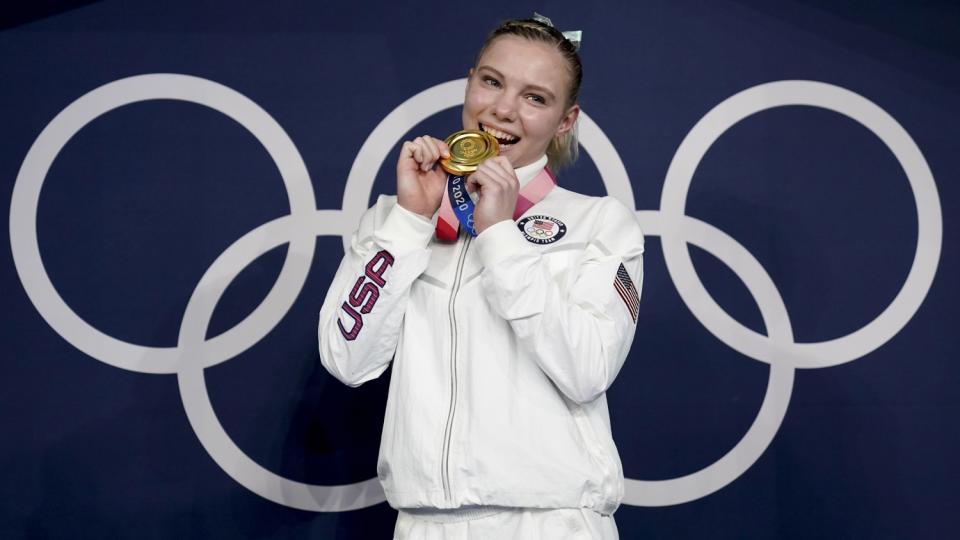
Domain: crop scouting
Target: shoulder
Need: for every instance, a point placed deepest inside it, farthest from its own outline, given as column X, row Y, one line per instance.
column 616, row 213
column 610, row 222
column 606, row 209
column 619, row 228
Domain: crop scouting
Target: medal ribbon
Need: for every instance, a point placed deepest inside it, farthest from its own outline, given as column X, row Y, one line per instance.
column 457, row 207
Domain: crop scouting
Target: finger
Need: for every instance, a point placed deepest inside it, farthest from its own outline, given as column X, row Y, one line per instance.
column 473, row 183
column 444, row 149
column 409, row 155
column 420, row 153
column 491, row 166
column 488, row 181
column 432, row 149
column 407, row 149
column 437, row 144
column 428, row 151
column 504, row 168
column 477, row 181
column 496, row 173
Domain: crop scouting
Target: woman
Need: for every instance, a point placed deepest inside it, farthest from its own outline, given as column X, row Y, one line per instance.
column 504, row 344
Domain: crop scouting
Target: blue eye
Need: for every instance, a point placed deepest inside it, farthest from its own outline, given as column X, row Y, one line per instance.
column 490, row 81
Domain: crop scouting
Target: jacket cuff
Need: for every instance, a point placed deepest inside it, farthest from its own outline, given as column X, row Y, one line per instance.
column 501, row 241
column 405, row 229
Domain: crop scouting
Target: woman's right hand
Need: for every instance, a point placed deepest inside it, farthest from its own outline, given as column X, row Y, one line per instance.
column 420, row 180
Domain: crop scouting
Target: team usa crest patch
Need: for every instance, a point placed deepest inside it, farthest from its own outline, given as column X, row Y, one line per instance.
column 628, row 291
column 542, row 229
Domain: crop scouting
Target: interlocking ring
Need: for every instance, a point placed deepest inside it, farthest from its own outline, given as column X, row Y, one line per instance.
column 194, row 353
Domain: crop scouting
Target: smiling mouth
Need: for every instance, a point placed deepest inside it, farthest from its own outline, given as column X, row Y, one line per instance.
column 506, row 140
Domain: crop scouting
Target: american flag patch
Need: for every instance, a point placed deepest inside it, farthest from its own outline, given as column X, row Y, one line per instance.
column 624, row 286
column 543, row 225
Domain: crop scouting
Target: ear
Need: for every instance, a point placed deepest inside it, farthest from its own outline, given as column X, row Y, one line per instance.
column 569, row 119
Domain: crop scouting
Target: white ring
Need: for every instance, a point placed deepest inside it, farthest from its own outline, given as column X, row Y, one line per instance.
column 929, row 230
column 26, row 197
column 194, row 352
column 193, row 389
column 779, row 385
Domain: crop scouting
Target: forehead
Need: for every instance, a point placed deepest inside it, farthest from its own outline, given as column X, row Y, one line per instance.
column 527, row 61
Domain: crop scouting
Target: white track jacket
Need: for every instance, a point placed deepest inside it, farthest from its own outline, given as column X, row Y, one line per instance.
column 502, row 345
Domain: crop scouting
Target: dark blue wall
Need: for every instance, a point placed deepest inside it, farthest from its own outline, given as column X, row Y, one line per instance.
column 143, row 199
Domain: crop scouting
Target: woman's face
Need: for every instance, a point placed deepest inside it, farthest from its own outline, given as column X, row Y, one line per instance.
column 518, row 93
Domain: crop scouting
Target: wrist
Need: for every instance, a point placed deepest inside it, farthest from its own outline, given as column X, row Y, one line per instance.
column 417, row 209
column 484, row 225
column 402, row 230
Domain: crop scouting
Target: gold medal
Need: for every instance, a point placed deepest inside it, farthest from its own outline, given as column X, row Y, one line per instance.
column 468, row 149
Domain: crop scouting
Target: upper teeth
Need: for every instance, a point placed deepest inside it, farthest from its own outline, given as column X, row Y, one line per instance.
column 500, row 135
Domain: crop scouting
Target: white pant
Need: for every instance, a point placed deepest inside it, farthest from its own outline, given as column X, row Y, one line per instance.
column 505, row 524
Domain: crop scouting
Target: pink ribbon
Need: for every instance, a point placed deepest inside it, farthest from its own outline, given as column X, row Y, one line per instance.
column 448, row 226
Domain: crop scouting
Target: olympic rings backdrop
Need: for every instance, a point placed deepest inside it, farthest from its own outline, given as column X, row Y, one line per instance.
column 181, row 181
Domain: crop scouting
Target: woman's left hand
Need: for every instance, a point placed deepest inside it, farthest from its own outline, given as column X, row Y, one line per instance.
column 498, row 186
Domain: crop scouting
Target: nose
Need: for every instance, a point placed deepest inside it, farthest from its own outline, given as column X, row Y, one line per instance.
column 505, row 107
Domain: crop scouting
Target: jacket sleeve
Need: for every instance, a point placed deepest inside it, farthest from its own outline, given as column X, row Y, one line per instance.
column 579, row 327
column 361, row 317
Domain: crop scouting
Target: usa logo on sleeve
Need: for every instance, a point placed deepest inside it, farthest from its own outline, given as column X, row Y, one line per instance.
column 628, row 292
column 365, row 293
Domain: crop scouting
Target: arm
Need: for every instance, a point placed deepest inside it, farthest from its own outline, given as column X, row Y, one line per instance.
column 361, row 317
column 580, row 333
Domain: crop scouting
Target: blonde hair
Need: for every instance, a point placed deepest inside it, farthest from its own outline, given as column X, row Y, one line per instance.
column 563, row 148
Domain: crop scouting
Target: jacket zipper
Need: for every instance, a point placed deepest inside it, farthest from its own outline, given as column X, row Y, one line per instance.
column 452, row 410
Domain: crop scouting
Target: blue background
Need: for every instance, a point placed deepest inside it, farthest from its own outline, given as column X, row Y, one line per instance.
column 141, row 201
